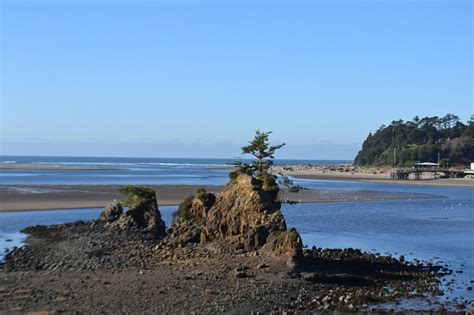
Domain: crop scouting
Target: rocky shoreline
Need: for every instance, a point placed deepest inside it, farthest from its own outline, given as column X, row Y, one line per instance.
column 230, row 254
column 71, row 267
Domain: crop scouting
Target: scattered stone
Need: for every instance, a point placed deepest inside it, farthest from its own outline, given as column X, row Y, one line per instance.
column 262, row 266
column 239, row 274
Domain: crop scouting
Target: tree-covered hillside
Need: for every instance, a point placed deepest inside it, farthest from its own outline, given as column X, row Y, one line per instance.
column 420, row 140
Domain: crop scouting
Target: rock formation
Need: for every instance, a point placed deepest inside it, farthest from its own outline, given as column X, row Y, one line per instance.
column 190, row 218
column 142, row 213
column 247, row 212
column 111, row 212
column 201, row 205
column 284, row 244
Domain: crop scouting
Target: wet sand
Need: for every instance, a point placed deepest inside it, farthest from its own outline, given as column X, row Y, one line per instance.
column 48, row 197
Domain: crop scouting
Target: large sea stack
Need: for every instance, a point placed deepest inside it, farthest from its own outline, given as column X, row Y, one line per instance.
column 247, row 212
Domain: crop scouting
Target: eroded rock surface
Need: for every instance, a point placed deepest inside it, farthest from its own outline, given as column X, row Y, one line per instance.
column 111, row 212
column 247, row 213
column 190, row 218
column 142, row 213
column 284, row 244
column 201, row 205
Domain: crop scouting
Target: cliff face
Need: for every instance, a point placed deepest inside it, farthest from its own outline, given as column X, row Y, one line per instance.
column 245, row 213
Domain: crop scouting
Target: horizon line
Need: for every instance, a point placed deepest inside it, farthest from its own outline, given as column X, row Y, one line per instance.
column 161, row 157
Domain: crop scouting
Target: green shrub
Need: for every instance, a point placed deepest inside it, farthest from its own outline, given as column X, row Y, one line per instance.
column 269, row 183
column 201, row 194
column 137, row 195
column 445, row 163
column 242, row 168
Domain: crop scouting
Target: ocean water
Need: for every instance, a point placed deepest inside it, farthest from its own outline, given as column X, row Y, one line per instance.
column 129, row 170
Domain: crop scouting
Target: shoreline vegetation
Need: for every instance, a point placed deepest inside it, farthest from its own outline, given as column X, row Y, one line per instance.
column 403, row 143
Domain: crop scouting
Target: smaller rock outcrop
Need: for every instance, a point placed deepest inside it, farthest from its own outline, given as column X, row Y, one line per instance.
column 285, row 244
column 201, row 205
column 189, row 220
column 143, row 208
column 111, row 212
column 142, row 213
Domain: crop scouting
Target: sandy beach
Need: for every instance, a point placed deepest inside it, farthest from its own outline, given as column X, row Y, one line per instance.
column 48, row 197
column 378, row 175
column 28, row 197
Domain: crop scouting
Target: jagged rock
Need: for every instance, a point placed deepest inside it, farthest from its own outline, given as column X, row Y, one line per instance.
column 256, row 237
column 111, row 212
column 185, row 231
column 189, row 221
column 284, row 244
column 201, row 205
column 245, row 213
column 142, row 213
column 143, row 209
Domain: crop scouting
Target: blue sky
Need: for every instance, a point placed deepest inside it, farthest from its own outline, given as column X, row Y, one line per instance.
column 196, row 78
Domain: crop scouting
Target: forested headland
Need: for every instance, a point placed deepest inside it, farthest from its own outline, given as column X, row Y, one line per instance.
column 403, row 143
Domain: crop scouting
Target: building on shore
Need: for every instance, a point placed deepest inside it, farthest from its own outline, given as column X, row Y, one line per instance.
column 469, row 171
column 426, row 165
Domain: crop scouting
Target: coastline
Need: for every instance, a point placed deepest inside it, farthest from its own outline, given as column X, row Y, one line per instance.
column 51, row 197
column 37, row 197
column 73, row 266
column 343, row 172
column 374, row 175
column 445, row 182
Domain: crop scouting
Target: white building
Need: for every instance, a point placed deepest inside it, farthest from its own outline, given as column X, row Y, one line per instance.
column 426, row 165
